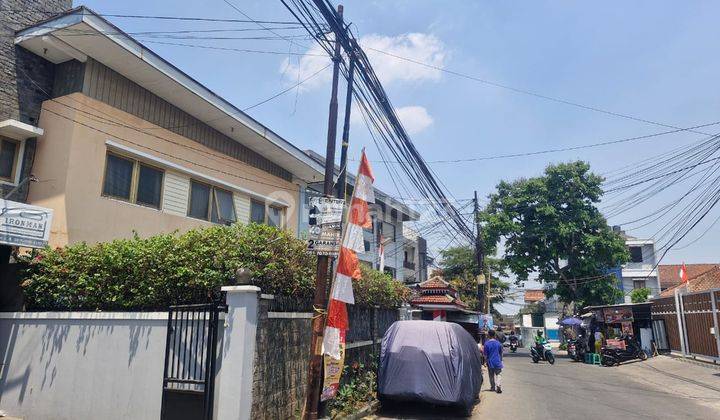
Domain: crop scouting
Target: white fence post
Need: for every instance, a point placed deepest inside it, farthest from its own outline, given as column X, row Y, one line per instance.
column 235, row 377
column 713, row 302
column 681, row 324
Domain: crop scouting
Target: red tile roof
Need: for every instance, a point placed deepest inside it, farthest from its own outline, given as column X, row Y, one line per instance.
column 706, row 281
column 431, row 299
column 534, row 295
column 669, row 275
column 436, row 282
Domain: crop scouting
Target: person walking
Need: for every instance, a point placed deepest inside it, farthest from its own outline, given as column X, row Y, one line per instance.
column 493, row 359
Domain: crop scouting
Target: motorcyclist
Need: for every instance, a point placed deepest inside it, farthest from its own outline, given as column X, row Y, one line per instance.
column 540, row 342
column 512, row 337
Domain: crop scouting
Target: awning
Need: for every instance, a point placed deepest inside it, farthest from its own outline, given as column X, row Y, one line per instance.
column 18, row 130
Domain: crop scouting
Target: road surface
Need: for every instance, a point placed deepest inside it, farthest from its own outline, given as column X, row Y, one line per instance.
column 660, row 388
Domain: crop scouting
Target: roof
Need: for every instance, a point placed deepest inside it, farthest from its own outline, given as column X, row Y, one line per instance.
column 80, row 33
column 435, row 282
column 381, row 196
column 706, row 281
column 438, row 300
column 534, row 295
column 669, row 275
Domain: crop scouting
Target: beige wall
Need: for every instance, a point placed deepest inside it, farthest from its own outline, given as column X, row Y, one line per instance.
column 70, row 162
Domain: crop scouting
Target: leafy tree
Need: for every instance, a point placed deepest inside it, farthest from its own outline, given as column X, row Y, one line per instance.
column 639, row 295
column 551, row 226
column 459, row 268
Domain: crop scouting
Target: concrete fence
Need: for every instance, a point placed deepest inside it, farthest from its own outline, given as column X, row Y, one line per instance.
column 109, row 365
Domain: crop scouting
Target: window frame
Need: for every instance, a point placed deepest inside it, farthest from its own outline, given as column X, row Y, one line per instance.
column 19, row 148
column 639, row 282
column 212, row 201
column 640, row 250
column 283, row 211
column 134, row 180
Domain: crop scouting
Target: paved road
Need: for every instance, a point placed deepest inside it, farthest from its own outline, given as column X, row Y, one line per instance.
column 661, row 388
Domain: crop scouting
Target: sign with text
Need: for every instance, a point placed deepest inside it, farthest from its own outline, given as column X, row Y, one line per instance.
column 485, row 322
column 333, row 370
column 325, row 220
column 616, row 315
column 24, row 225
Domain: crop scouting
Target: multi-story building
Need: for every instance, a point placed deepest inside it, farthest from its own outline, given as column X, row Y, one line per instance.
column 641, row 271
column 388, row 215
column 122, row 141
column 415, row 261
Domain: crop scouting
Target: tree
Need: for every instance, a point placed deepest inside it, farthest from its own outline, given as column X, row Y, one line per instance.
column 639, row 295
column 551, row 226
column 459, row 268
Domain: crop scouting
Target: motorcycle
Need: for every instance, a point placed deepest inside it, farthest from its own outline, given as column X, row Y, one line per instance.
column 513, row 345
column 577, row 349
column 544, row 354
column 612, row 356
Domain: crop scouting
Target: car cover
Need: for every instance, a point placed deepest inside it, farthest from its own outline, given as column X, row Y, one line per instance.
column 430, row 361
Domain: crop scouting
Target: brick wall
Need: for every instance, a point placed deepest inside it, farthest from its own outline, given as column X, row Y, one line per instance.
column 26, row 80
column 281, row 357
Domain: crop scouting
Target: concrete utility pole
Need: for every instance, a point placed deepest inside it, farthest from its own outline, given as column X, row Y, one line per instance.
column 312, row 399
column 479, row 256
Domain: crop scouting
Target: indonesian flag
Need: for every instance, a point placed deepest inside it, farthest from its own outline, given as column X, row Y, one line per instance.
column 381, row 251
column 683, row 274
column 348, row 265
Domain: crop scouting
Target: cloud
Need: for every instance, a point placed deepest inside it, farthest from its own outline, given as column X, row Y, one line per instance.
column 414, row 118
column 425, row 48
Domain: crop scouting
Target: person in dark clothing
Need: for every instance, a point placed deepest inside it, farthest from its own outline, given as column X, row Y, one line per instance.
column 493, row 356
column 499, row 336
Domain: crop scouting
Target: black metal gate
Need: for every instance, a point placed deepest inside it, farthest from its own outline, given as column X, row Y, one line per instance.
column 190, row 356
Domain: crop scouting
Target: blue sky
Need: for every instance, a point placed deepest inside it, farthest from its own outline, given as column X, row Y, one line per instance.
column 656, row 60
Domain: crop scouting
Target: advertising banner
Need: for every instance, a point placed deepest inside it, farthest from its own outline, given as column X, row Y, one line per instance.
column 333, row 371
column 325, row 220
column 485, row 322
column 24, row 225
column 617, row 315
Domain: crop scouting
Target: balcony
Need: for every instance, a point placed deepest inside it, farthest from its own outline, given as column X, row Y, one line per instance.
column 409, row 265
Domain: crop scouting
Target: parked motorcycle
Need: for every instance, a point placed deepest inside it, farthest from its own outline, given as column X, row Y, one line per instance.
column 544, row 354
column 612, row 356
column 577, row 349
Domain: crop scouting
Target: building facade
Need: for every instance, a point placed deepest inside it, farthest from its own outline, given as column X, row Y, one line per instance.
column 641, row 271
column 415, row 262
column 126, row 143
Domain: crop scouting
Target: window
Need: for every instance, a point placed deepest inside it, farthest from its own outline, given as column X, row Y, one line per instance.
column 133, row 181
column 276, row 216
column 388, row 231
column 257, row 212
column 636, row 254
column 211, row 203
column 8, row 159
column 638, row 284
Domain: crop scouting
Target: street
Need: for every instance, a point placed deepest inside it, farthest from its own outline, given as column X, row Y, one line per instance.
column 660, row 388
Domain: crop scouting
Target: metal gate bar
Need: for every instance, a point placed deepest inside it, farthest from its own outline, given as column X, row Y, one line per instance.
column 190, row 356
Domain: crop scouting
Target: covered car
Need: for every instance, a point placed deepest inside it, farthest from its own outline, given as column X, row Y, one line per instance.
column 429, row 361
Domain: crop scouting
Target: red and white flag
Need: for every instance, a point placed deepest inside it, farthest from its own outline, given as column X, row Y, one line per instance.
column 683, row 274
column 348, row 265
column 381, row 252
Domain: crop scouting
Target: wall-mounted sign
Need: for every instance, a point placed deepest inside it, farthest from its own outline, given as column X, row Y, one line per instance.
column 616, row 315
column 325, row 220
column 24, row 225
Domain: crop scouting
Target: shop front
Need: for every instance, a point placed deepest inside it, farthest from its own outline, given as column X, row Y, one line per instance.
column 616, row 321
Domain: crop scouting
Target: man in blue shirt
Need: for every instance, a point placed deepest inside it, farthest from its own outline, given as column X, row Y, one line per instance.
column 493, row 355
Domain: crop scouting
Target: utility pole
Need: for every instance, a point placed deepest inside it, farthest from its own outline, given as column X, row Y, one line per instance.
column 479, row 256
column 342, row 178
column 312, row 397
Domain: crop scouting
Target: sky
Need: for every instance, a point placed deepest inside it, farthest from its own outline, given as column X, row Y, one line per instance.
column 653, row 60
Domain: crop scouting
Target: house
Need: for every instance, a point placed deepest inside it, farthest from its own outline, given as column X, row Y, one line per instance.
column 708, row 280
column 415, row 261
column 388, row 216
column 669, row 274
column 122, row 142
column 640, row 272
column 540, row 311
column 437, row 299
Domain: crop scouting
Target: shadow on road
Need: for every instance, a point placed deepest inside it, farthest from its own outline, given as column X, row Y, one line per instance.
column 414, row 410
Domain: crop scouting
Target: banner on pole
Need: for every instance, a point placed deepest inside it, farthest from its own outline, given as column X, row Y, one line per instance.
column 333, row 371
column 324, row 234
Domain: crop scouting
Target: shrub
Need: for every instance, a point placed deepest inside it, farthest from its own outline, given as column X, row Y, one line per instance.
column 376, row 288
column 360, row 390
column 639, row 295
column 152, row 273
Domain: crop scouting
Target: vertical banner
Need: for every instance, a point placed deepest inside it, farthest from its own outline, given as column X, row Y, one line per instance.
column 333, row 371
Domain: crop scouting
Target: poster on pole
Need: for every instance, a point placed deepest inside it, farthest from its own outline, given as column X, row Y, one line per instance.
column 24, row 225
column 333, row 371
column 325, row 226
column 485, row 323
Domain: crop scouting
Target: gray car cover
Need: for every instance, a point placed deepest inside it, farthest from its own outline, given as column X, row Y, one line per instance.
column 430, row 361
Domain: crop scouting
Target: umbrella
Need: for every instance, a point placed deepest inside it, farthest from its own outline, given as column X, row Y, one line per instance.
column 570, row 321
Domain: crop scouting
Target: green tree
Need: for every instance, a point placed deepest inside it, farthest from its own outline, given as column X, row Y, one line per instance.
column 551, row 226
column 459, row 268
column 639, row 295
